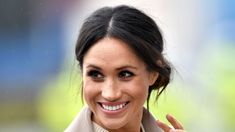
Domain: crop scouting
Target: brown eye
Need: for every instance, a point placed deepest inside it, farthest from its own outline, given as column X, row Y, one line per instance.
column 96, row 75
column 125, row 74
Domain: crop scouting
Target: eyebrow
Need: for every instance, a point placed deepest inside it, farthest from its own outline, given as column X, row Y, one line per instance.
column 119, row 68
column 127, row 66
column 93, row 66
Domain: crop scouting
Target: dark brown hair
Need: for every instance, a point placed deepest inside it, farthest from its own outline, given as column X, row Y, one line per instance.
column 137, row 30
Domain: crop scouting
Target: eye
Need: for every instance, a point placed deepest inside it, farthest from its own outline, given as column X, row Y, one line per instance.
column 96, row 75
column 125, row 74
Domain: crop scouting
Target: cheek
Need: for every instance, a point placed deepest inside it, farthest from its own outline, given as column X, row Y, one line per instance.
column 89, row 91
column 138, row 88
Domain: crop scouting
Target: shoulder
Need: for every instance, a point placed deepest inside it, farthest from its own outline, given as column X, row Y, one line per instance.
column 81, row 122
column 149, row 123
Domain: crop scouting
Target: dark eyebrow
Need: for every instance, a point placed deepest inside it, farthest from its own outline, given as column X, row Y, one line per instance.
column 118, row 69
column 127, row 66
column 94, row 66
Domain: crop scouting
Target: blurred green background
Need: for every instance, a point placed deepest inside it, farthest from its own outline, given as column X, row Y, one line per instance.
column 40, row 80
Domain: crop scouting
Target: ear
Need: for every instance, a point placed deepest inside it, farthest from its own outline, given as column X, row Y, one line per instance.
column 153, row 77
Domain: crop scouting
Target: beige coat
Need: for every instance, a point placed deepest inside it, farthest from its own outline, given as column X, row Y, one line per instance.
column 83, row 123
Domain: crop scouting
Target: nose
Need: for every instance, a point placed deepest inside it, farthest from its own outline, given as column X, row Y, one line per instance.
column 111, row 91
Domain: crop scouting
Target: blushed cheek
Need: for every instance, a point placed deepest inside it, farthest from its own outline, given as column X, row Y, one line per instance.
column 143, row 95
column 90, row 92
column 87, row 92
column 142, row 90
column 138, row 90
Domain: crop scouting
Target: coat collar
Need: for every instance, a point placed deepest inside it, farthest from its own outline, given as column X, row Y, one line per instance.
column 82, row 122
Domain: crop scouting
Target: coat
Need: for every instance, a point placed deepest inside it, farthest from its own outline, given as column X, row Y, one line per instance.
column 83, row 123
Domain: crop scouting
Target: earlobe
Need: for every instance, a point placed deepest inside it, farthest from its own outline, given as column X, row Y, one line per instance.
column 153, row 77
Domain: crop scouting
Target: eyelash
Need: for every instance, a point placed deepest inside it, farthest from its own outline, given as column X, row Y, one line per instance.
column 98, row 76
column 125, row 74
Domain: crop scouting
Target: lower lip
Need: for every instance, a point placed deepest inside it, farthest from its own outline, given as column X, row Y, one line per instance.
column 114, row 112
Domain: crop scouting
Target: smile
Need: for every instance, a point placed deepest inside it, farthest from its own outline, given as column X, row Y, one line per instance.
column 110, row 107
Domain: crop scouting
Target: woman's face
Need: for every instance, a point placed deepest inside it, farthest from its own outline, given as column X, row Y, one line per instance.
column 115, row 83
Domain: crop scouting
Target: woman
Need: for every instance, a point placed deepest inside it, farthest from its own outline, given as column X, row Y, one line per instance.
column 119, row 51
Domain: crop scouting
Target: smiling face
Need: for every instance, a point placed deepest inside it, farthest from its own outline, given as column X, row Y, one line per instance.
column 115, row 84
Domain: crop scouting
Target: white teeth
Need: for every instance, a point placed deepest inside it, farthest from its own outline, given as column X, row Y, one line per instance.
column 112, row 108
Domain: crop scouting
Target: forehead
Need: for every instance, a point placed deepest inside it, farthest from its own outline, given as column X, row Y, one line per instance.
column 112, row 52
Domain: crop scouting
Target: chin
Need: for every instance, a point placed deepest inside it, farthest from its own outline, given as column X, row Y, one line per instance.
column 113, row 124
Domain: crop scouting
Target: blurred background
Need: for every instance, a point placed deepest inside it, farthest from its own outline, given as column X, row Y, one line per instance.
column 40, row 81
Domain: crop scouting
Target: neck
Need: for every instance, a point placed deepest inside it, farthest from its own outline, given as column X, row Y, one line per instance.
column 133, row 126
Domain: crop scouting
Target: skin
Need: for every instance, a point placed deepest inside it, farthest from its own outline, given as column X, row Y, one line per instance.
column 176, row 125
column 113, row 75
